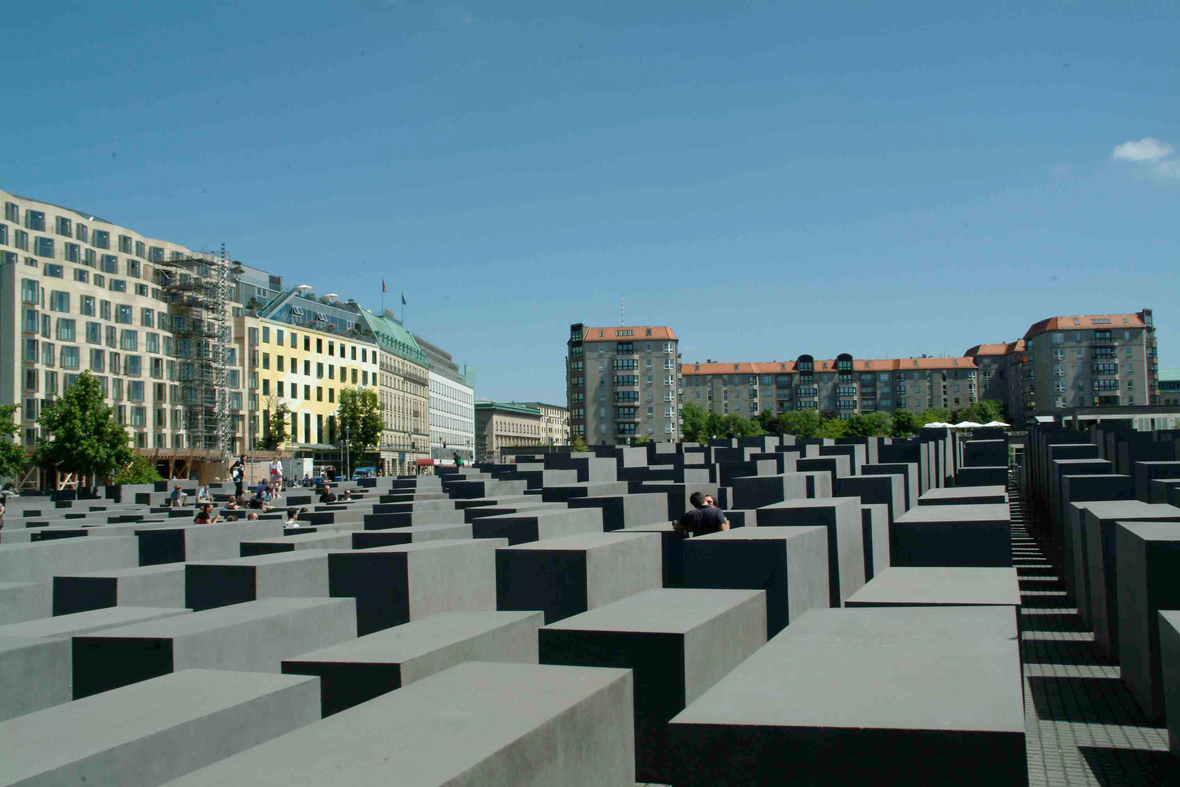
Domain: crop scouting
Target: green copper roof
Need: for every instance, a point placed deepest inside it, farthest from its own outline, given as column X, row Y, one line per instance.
column 393, row 336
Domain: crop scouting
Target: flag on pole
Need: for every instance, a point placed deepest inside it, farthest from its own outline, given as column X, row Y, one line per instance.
column 403, row 299
column 383, row 285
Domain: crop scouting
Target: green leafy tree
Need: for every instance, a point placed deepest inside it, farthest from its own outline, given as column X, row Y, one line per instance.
column 982, row 412
column 934, row 414
column 276, row 432
column 13, row 455
column 874, row 424
column 739, row 426
column 641, row 440
column 140, row 471
column 801, row 423
column 904, row 424
column 768, row 421
column 80, row 435
column 695, row 422
column 578, row 444
column 359, row 420
column 832, row 427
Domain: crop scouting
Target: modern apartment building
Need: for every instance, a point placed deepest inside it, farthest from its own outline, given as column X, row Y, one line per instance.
column 499, row 425
column 1084, row 360
column 1169, row 386
column 150, row 319
column 452, row 404
column 840, row 387
column 555, row 423
column 623, row 383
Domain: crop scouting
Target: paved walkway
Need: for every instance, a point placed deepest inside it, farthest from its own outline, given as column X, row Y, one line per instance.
column 1082, row 725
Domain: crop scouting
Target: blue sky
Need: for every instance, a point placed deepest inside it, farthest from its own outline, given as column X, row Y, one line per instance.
column 767, row 178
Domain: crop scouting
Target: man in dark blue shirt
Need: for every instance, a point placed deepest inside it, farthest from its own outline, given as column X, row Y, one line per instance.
column 702, row 519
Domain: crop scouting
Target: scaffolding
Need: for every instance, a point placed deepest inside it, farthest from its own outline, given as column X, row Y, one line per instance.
column 199, row 288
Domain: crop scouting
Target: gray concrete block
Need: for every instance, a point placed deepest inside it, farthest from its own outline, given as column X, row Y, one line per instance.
column 35, row 674
column 563, row 494
column 369, row 539
column 1145, row 472
column 40, row 562
column 331, row 539
column 627, row 510
column 965, row 535
column 887, row 489
column 147, row 586
column 842, row 518
column 678, row 495
column 909, row 452
column 819, row 484
column 678, row 643
column 525, row 506
column 671, row 551
column 475, row 724
column 866, row 696
column 396, row 584
column 985, row 453
column 1084, row 489
column 202, row 542
column 252, row 637
column 539, row 525
column 1169, row 633
column 415, row 519
column 488, row 488
column 151, row 732
column 965, row 496
column 1164, row 490
column 874, row 518
column 789, row 563
column 857, row 455
column 24, row 601
column 218, row 583
column 940, row 587
column 758, row 491
column 909, row 478
column 86, row 622
column 1149, row 565
column 1102, row 562
column 358, row 670
column 982, row 476
column 731, row 470
column 835, row 466
column 566, row 576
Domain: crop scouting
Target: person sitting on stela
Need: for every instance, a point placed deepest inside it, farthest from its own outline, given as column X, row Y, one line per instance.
column 702, row 519
column 328, row 496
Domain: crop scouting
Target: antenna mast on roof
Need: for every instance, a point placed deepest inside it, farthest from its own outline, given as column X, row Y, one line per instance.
column 622, row 312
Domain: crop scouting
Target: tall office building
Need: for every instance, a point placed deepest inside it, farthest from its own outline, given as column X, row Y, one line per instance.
column 1083, row 360
column 152, row 320
column 623, row 383
column 452, row 404
column 839, row 387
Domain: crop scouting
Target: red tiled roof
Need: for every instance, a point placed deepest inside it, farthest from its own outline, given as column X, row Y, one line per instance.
column 1075, row 321
column 639, row 333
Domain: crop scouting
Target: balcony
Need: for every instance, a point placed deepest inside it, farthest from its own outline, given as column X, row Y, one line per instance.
column 415, row 377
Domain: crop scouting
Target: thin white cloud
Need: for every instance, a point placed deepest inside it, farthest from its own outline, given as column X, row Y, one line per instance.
column 1146, row 149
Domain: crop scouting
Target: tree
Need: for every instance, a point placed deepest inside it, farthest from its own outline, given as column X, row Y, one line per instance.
column 904, row 424
column 140, row 471
column 740, row 426
column 801, row 423
column 641, row 440
column 982, row 412
column 578, row 444
column 833, row 428
column 934, row 415
column 695, row 422
column 874, row 424
column 80, row 435
column 275, row 433
column 768, row 421
column 13, row 455
column 359, row 419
